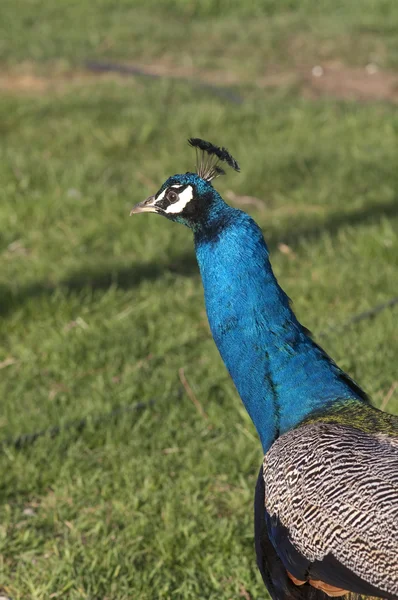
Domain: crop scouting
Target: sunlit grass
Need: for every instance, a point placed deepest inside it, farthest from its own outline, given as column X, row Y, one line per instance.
column 101, row 311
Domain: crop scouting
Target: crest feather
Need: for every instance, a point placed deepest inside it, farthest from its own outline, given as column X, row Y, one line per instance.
column 207, row 158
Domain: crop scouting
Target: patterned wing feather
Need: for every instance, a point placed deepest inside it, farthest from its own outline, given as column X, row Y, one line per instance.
column 272, row 569
column 331, row 500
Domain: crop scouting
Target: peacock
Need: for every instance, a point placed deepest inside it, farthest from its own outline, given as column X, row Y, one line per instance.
column 326, row 498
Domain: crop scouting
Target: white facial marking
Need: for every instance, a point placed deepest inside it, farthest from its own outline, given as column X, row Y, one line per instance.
column 176, row 187
column 185, row 197
column 161, row 196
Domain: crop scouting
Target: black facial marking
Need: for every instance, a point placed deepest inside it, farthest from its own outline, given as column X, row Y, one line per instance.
column 169, row 198
column 195, row 211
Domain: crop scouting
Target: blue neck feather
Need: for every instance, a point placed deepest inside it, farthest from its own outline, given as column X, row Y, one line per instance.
column 282, row 376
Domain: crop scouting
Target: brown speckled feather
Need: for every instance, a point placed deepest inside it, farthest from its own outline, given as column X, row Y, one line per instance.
column 334, row 489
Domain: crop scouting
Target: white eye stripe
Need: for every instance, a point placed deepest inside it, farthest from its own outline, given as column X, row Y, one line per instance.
column 184, row 197
column 173, row 187
column 161, row 196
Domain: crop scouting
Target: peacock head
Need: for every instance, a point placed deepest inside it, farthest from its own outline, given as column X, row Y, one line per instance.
column 190, row 198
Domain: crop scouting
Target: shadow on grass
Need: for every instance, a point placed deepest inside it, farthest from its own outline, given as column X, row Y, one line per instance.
column 96, row 279
column 185, row 264
column 334, row 223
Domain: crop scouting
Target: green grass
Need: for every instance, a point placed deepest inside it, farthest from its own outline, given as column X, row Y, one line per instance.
column 101, row 311
column 246, row 37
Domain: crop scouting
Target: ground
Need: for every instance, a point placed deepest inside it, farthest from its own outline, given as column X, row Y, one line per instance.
column 100, row 312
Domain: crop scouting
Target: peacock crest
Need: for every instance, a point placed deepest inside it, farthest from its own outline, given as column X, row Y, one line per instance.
column 208, row 158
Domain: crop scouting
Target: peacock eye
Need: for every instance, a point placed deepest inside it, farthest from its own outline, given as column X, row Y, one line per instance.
column 172, row 196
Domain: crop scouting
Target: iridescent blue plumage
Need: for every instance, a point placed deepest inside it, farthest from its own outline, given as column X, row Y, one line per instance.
column 281, row 375
column 324, row 510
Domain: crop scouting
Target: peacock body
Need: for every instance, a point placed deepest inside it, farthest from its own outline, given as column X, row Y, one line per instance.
column 326, row 501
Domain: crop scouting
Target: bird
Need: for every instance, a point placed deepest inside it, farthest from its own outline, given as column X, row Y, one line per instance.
column 326, row 498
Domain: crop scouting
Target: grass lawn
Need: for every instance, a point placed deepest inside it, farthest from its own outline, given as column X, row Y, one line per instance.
column 99, row 311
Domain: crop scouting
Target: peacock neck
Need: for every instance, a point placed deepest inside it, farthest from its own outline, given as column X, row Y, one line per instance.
column 282, row 376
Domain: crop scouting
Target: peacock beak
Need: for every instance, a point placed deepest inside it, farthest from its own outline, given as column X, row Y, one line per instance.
column 147, row 205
